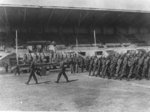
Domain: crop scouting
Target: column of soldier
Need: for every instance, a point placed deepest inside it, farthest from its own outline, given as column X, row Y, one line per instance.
column 125, row 66
column 116, row 66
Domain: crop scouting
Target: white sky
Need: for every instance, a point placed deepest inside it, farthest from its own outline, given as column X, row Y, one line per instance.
column 142, row 5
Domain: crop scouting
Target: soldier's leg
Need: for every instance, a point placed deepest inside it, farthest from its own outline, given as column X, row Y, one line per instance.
column 148, row 75
column 30, row 76
column 122, row 73
column 90, row 70
column 58, row 78
column 94, row 69
column 18, row 72
column 71, row 67
column 66, row 77
column 117, row 72
column 130, row 73
column 74, row 68
column 104, row 72
column 138, row 73
column 82, row 68
column 98, row 72
column 35, row 79
column 144, row 72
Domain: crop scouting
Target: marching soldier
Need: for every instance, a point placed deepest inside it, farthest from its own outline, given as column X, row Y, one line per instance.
column 99, row 67
column 113, row 64
column 91, row 65
column 124, row 67
column 131, row 66
column 106, row 69
column 139, row 67
column 62, row 72
column 32, row 73
column 95, row 65
column 103, row 66
column 145, row 67
column 118, row 67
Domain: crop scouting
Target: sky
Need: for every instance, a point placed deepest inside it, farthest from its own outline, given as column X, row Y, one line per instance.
column 130, row 5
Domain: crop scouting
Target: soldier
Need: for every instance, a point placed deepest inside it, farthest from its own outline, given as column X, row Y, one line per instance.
column 99, row 67
column 62, row 72
column 87, row 63
column 131, row 62
column 103, row 66
column 77, row 64
column 145, row 67
column 82, row 64
column 148, row 75
column 72, row 65
column 95, row 65
column 124, row 67
column 91, row 65
column 106, row 68
column 139, row 67
column 32, row 73
column 113, row 65
column 118, row 66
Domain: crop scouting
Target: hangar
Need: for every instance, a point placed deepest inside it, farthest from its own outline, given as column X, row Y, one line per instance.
column 64, row 21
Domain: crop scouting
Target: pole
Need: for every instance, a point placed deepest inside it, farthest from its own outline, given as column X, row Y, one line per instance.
column 17, row 47
column 94, row 38
column 77, row 43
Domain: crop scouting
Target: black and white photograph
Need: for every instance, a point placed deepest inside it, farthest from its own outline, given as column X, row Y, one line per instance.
column 75, row 55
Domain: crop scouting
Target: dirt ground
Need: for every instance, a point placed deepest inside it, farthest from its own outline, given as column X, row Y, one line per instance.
column 83, row 93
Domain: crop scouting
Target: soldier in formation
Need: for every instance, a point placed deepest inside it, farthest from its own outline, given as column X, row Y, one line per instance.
column 121, row 66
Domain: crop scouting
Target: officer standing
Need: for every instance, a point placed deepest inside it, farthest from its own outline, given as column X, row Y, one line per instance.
column 62, row 72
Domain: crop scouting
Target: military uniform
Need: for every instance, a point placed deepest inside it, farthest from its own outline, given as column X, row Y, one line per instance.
column 91, row 66
column 32, row 73
column 103, row 67
column 99, row 67
column 62, row 72
column 145, row 67
column 72, row 65
column 118, row 67
column 131, row 66
column 139, row 67
column 124, row 68
column 95, row 65
column 113, row 64
column 106, row 68
column 82, row 64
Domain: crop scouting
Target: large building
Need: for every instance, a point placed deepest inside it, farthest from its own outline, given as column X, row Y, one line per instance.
column 64, row 21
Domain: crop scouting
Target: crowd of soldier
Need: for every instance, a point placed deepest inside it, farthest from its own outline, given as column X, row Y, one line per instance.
column 120, row 66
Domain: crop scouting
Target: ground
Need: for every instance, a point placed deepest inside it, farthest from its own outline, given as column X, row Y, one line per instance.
column 82, row 94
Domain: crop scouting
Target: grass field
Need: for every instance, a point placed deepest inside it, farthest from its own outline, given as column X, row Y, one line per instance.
column 83, row 94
